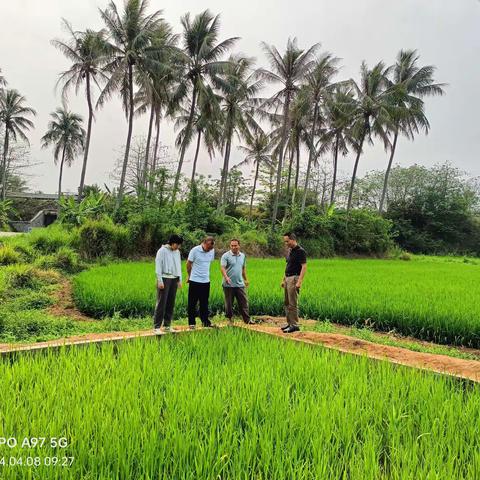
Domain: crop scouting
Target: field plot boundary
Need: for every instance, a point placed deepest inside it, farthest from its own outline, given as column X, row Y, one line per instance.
column 442, row 364
column 6, row 348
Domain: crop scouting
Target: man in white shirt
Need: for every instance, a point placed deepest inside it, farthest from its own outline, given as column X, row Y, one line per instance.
column 168, row 269
column 198, row 269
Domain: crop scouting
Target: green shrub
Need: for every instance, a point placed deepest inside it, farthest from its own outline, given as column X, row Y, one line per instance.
column 22, row 276
column 67, row 260
column 99, row 238
column 45, row 262
column 26, row 251
column 321, row 247
column 32, row 301
column 8, row 255
column 50, row 240
column 361, row 232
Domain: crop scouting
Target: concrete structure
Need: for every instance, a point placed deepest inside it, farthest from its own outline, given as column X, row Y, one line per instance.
column 43, row 218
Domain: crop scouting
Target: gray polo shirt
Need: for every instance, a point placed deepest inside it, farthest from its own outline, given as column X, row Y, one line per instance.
column 234, row 265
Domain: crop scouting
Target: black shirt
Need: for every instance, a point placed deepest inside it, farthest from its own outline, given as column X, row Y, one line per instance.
column 295, row 259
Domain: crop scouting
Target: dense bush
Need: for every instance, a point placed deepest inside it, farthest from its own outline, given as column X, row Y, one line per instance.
column 358, row 232
column 99, row 238
column 8, row 255
column 22, row 276
column 51, row 239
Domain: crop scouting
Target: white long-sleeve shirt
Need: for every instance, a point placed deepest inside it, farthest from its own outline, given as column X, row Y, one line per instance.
column 168, row 263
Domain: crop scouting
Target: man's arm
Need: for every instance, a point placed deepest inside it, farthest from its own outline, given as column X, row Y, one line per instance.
column 244, row 275
column 158, row 269
column 225, row 274
column 189, row 269
column 302, row 275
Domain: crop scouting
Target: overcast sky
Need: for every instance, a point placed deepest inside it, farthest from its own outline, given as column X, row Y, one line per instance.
column 445, row 32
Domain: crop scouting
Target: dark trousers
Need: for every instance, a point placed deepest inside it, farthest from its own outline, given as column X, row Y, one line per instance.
column 198, row 293
column 232, row 293
column 165, row 303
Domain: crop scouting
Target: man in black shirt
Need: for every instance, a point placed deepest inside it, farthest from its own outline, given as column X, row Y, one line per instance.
column 292, row 281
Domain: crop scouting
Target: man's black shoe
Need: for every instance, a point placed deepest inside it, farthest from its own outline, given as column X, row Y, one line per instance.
column 250, row 322
column 291, row 329
column 285, row 327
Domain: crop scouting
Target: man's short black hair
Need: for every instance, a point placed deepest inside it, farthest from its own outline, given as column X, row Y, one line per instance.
column 175, row 239
column 290, row 235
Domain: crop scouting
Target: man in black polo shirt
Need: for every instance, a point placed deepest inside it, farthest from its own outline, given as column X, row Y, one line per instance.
column 292, row 281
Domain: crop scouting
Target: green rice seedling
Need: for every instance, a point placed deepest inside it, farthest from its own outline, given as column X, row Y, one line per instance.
column 431, row 299
column 232, row 405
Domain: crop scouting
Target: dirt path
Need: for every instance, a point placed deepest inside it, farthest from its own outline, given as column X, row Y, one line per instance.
column 468, row 369
column 64, row 305
column 82, row 339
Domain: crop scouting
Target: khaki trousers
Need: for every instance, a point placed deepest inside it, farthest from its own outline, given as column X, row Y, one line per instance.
column 291, row 300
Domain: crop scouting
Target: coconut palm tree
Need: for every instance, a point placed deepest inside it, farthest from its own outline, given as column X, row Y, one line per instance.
column 257, row 151
column 132, row 34
column 238, row 87
column 372, row 115
column 409, row 85
column 318, row 82
column 14, row 118
column 202, row 55
column 338, row 111
column 88, row 53
column 207, row 123
column 3, row 82
column 289, row 70
column 154, row 93
column 66, row 134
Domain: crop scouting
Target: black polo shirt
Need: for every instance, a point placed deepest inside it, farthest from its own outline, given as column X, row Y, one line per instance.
column 295, row 259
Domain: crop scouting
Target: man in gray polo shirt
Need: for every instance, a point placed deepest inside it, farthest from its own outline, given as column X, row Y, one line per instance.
column 234, row 270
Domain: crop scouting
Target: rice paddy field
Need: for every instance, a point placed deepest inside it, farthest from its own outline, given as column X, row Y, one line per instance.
column 429, row 298
column 232, row 404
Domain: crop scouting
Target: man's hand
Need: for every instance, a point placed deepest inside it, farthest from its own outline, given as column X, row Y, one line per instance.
column 160, row 285
column 247, row 283
column 282, row 284
column 227, row 279
column 180, row 284
column 298, row 285
column 187, row 280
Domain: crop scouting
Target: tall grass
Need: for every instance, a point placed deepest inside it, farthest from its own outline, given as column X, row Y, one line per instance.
column 429, row 299
column 236, row 405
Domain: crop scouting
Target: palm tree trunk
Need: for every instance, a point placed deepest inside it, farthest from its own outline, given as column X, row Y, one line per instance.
column 387, row 173
column 254, row 187
column 87, row 140
column 4, row 164
column 335, row 168
column 199, row 138
column 129, row 138
column 354, row 175
column 155, row 152
column 59, row 196
column 224, row 177
column 310, row 157
column 280, row 158
column 290, row 164
column 297, row 165
column 147, row 151
column 184, row 144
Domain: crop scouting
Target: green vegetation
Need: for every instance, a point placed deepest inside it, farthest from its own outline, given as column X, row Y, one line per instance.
column 429, row 299
column 336, row 415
